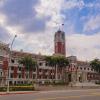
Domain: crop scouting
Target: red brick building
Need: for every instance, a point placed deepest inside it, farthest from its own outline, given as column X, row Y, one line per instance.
column 77, row 71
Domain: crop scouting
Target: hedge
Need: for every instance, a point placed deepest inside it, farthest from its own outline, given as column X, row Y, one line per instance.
column 17, row 88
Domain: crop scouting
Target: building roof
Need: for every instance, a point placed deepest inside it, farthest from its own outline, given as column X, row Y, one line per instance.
column 83, row 63
column 20, row 54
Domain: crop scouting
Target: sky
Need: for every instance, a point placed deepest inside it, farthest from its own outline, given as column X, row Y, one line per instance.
column 36, row 21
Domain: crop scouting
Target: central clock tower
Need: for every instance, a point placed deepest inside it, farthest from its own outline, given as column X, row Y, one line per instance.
column 59, row 43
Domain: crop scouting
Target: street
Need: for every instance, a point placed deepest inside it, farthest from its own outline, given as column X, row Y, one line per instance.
column 89, row 94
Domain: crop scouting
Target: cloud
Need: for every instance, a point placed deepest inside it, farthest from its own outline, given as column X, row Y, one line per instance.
column 69, row 4
column 51, row 9
column 42, row 43
column 36, row 21
column 21, row 13
column 4, row 36
column 83, row 46
column 93, row 23
column 1, row 2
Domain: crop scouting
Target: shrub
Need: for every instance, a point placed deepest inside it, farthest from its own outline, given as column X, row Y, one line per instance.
column 3, row 89
column 59, row 83
column 17, row 88
column 21, row 88
column 97, row 82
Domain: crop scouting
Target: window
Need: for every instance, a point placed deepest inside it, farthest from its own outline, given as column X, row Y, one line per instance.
column 12, row 68
column 91, row 69
column 34, row 69
column 40, row 64
column 26, row 75
column 10, row 82
column 46, row 64
column 20, row 68
column 12, row 60
column 84, row 68
column 14, row 82
column 1, row 74
column 80, row 68
column 11, row 75
column 45, row 77
column 46, row 70
column 21, row 82
column 19, row 75
column 40, row 70
column 34, row 76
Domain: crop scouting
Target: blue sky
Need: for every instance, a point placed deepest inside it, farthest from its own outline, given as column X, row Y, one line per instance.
column 35, row 22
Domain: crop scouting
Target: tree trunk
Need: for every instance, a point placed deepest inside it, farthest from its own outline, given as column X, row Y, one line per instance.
column 28, row 77
column 36, row 74
column 52, row 74
column 56, row 68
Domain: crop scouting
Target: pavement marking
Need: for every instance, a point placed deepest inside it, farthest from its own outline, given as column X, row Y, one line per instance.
column 67, row 97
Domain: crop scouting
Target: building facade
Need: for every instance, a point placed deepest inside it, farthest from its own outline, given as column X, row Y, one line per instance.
column 77, row 71
column 4, row 58
column 81, row 71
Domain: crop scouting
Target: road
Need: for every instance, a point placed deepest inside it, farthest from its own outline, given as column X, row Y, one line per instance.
column 90, row 94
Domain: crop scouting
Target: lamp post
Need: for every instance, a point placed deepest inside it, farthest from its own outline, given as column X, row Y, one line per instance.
column 9, row 63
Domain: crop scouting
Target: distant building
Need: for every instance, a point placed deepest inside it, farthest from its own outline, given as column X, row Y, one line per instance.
column 59, row 43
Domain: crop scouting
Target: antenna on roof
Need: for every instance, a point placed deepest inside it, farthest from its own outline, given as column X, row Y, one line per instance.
column 60, row 26
column 58, row 22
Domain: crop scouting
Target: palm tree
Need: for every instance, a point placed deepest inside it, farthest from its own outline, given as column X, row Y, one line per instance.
column 29, row 64
column 57, row 62
column 49, row 60
column 62, row 63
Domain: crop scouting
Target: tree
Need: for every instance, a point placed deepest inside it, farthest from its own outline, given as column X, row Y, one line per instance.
column 95, row 64
column 57, row 62
column 50, row 61
column 29, row 64
column 62, row 63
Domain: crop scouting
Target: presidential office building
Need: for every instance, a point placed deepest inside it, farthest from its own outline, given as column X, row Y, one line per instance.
column 77, row 71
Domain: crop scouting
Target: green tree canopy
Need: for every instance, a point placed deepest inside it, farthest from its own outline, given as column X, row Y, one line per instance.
column 28, row 62
column 59, row 61
column 95, row 65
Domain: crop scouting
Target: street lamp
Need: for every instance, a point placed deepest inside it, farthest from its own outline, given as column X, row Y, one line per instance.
column 9, row 62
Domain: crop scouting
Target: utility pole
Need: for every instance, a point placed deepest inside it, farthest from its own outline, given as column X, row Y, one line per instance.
column 9, row 63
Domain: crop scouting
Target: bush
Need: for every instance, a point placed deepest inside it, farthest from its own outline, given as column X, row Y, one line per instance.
column 3, row 89
column 21, row 88
column 17, row 88
column 23, row 85
column 47, row 83
column 97, row 82
column 59, row 83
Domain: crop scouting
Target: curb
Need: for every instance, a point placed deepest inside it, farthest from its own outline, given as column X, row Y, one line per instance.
column 12, row 93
